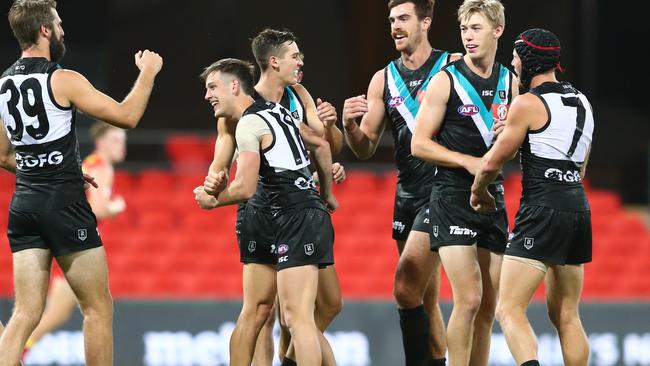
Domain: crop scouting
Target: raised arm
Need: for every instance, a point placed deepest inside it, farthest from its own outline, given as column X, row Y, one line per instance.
column 224, row 151
column 71, row 88
column 427, row 124
column 363, row 138
column 322, row 119
column 7, row 153
column 252, row 134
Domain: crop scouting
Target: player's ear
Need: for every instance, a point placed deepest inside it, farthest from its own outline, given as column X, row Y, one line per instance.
column 273, row 62
column 45, row 31
column 426, row 23
column 235, row 87
column 498, row 31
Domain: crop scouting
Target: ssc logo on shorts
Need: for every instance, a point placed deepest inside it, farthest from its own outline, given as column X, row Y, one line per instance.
column 529, row 242
column 283, row 248
column 252, row 245
column 82, row 234
column 309, row 248
column 435, row 231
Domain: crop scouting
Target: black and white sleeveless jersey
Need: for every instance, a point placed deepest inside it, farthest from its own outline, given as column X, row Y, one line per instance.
column 42, row 132
column 552, row 156
column 474, row 104
column 291, row 101
column 284, row 171
column 403, row 92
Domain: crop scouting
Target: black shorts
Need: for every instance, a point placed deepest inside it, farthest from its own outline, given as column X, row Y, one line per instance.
column 305, row 237
column 454, row 222
column 255, row 235
column 63, row 231
column 551, row 236
column 410, row 214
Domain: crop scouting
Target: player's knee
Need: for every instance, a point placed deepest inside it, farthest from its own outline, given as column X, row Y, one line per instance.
column 264, row 312
column 468, row 304
column 331, row 308
column 29, row 316
column 561, row 316
column 101, row 306
column 487, row 310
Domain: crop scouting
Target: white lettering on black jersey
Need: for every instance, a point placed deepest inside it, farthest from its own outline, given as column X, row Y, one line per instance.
column 552, row 156
column 284, row 170
column 42, row 132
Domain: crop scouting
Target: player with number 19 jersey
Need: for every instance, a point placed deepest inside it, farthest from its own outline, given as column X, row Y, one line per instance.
column 49, row 208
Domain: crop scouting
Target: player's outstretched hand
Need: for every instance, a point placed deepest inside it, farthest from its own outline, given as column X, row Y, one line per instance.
column 203, row 199
column 89, row 181
column 326, row 113
column 148, row 60
column 215, row 183
column 338, row 173
column 482, row 201
column 353, row 109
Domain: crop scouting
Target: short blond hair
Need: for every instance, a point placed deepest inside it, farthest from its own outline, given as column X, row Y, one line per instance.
column 492, row 10
column 99, row 129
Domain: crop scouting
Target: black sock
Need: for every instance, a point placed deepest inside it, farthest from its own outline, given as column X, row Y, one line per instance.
column 288, row 362
column 437, row 362
column 531, row 363
column 415, row 335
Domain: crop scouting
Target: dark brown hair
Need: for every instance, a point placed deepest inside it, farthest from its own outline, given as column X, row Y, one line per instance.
column 423, row 8
column 241, row 70
column 26, row 18
column 269, row 43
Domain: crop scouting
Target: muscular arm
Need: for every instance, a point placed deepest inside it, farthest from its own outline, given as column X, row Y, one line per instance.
column 224, row 146
column 250, row 140
column 524, row 109
column 71, row 88
column 7, row 153
column 330, row 132
column 427, row 124
column 363, row 138
column 320, row 151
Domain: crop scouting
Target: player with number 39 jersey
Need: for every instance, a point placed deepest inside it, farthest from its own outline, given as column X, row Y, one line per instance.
column 48, row 174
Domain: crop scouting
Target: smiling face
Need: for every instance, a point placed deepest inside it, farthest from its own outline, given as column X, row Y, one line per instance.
column 288, row 63
column 479, row 36
column 218, row 92
column 406, row 29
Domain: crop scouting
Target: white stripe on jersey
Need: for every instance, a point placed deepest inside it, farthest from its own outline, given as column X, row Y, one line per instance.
column 401, row 108
column 486, row 133
column 555, row 141
column 59, row 120
column 280, row 156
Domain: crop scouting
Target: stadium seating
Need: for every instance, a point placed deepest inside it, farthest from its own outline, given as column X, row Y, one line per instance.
column 165, row 246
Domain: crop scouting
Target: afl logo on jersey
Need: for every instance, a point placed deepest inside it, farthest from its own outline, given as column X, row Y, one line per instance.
column 468, row 110
column 395, row 101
